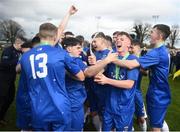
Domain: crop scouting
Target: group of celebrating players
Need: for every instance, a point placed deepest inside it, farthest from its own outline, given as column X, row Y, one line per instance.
column 58, row 75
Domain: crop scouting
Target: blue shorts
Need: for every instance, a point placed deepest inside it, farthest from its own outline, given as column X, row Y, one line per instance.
column 156, row 116
column 77, row 120
column 23, row 121
column 92, row 99
column 121, row 122
column 100, row 93
column 52, row 126
column 58, row 123
column 139, row 104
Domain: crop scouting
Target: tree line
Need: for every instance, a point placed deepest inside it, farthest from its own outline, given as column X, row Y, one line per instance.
column 10, row 29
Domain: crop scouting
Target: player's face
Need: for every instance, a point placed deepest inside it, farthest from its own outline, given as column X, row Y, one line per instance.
column 155, row 36
column 115, row 38
column 135, row 49
column 97, row 43
column 75, row 50
column 123, row 43
column 18, row 43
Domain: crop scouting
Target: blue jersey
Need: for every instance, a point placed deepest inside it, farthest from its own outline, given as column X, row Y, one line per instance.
column 23, row 107
column 76, row 89
column 59, row 46
column 120, row 100
column 44, row 69
column 84, row 54
column 114, row 49
column 138, row 85
column 157, row 60
column 100, row 90
column 101, row 54
column 89, row 81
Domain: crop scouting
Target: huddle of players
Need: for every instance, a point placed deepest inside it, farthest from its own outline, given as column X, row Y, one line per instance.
column 52, row 87
column 118, row 98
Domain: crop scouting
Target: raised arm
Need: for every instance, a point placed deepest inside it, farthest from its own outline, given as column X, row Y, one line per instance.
column 64, row 22
column 130, row 64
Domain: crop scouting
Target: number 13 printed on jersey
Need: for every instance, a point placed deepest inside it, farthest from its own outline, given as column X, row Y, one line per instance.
column 42, row 65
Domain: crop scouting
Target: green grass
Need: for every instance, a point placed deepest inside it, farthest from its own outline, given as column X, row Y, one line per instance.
column 173, row 113
column 172, row 116
column 11, row 116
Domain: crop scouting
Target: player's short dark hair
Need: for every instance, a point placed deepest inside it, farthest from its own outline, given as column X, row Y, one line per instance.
column 99, row 35
column 116, row 33
column 108, row 38
column 136, row 42
column 68, row 33
column 27, row 44
column 164, row 29
column 68, row 42
column 80, row 37
column 47, row 30
column 36, row 39
column 126, row 34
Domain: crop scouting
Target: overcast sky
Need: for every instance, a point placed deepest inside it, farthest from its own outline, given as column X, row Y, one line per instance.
column 110, row 15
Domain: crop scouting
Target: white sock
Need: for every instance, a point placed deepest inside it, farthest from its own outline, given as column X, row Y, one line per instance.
column 86, row 114
column 97, row 123
column 145, row 114
column 143, row 126
column 133, row 129
column 165, row 127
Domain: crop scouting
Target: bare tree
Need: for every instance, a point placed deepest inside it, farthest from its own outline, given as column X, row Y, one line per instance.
column 174, row 35
column 141, row 30
column 10, row 30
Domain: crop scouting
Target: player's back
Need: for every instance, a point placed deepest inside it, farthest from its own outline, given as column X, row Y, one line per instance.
column 45, row 73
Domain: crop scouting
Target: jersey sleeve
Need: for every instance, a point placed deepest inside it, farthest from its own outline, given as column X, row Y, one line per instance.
column 150, row 59
column 81, row 64
column 133, row 74
column 71, row 65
